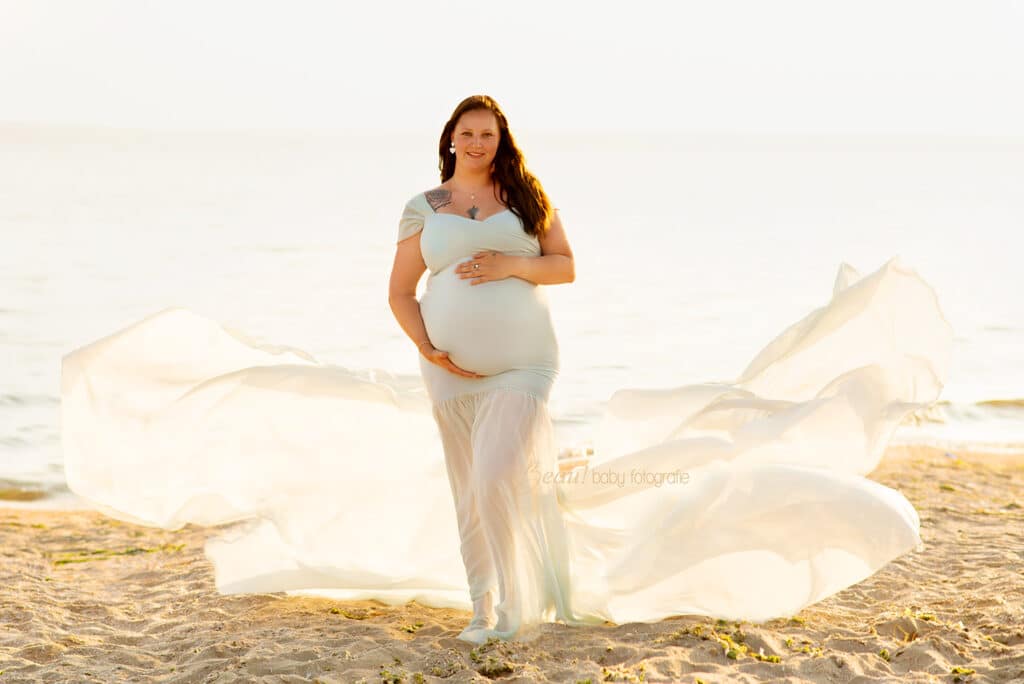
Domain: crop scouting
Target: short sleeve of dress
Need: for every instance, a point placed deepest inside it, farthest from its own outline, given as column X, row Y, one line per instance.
column 411, row 221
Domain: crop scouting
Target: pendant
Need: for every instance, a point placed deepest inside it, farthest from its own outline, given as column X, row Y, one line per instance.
column 472, row 211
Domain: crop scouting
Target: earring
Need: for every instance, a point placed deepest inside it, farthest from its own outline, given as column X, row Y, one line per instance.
column 452, row 148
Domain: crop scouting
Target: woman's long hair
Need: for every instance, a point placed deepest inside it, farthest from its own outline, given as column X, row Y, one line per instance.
column 521, row 192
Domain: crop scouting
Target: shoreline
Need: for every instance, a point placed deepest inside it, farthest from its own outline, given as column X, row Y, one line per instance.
column 91, row 598
column 32, row 499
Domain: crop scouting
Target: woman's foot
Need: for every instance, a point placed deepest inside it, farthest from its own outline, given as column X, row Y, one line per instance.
column 476, row 635
column 484, row 619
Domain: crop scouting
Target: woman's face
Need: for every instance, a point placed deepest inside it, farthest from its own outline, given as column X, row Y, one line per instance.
column 476, row 139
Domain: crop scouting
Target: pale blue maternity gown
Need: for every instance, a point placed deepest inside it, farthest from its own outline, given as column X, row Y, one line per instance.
column 496, row 430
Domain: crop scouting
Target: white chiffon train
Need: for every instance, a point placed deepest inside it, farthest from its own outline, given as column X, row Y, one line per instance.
column 741, row 500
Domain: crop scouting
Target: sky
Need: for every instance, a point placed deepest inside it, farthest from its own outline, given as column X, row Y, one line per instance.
column 814, row 66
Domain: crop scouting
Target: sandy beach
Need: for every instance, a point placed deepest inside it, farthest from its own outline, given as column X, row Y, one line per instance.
column 87, row 598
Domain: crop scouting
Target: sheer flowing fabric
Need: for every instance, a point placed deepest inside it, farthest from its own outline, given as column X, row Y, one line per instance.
column 740, row 500
column 498, row 444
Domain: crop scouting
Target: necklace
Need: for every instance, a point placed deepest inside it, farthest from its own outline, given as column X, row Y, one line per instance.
column 472, row 211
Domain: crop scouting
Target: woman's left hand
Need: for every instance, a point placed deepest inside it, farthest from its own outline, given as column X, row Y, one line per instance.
column 492, row 266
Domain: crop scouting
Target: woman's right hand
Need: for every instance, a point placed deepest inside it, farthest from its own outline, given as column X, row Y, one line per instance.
column 440, row 358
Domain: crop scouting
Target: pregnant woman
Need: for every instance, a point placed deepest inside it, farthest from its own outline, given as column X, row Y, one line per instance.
column 743, row 499
column 489, row 355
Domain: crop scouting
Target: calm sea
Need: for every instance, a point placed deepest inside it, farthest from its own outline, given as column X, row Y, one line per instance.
column 692, row 252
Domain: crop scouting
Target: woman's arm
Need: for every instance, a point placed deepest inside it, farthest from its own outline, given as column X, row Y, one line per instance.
column 555, row 265
column 405, row 275
column 406, row 272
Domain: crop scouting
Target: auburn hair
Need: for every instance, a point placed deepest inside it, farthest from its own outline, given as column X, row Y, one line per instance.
column 521, row 192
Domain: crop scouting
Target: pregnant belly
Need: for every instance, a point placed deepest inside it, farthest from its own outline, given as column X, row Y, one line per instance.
column 491, row 327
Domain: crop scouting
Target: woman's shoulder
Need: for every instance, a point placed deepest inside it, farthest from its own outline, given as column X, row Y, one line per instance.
column 413, row 215
column 422, row 202
column 432, row 198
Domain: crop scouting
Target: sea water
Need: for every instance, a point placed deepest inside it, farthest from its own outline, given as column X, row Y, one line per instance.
column 692, row 250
